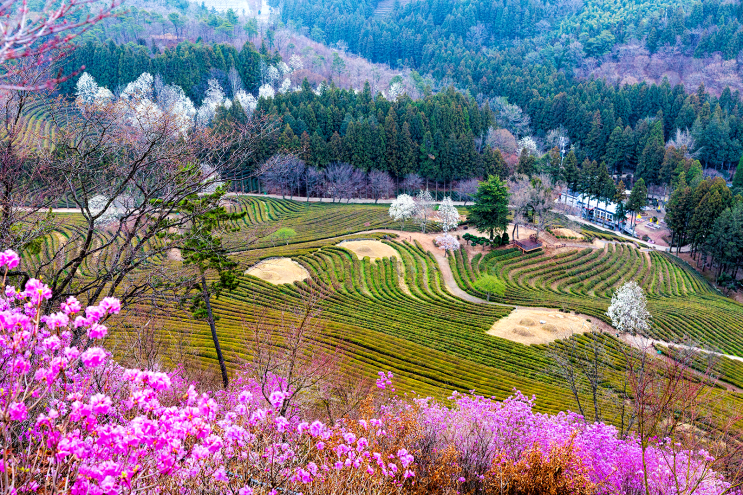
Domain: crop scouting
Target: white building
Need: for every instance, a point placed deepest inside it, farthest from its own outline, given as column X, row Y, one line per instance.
column 591, row 209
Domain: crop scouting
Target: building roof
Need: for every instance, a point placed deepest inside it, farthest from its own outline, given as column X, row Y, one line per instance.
column 601, row 205
column 528, row 245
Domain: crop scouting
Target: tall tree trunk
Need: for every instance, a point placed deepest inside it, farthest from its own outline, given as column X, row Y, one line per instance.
column 210, row 317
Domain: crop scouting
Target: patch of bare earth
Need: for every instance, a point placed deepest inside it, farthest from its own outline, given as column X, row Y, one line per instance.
column 538, row 326
column 279, row 271
column 375, row 250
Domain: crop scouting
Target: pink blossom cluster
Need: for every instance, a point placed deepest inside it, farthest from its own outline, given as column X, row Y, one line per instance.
column 72, row 420
column 483, row 430
column 71, row 417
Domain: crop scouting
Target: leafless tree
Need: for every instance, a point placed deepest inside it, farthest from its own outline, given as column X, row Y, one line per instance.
column 675, row 402
column 503, row 140
column 282, row 174
column 125, row 171
column 466, row 189
column 520, row 190
column 541, row 202
column 683, row 139
column 27, row 186
column 356, row 185
column 585, row 367
column 338, row 179
column 313, row 181
column 139, row 341
column 297, row 169
column 666, row 397
column 510, row 116
column 236, row 82
column 412, row 183
column 532, row 198
column 381, row 185
column 477, row 35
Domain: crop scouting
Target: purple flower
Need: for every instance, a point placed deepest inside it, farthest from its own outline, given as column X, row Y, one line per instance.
column 56, row 320
column 17, row 411
column 277, row 398
column 9, row 259
column 221, row 475
column 100, row 404
column 316, row 428
column 36, row 292
column 97, row 331
column 111, row 305
column 93, row 357
column 71, row 306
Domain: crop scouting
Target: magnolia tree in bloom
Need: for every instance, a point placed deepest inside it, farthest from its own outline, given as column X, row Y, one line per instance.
column 213, row 99
column 266, row 91
column 71, row 417
column 423, row 208
column 402, row 209
column 447, row 215
column 628, row 309
column 447, row 242
column 146, row 101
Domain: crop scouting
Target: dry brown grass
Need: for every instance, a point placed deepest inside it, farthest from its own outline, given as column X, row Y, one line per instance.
column 525, row 326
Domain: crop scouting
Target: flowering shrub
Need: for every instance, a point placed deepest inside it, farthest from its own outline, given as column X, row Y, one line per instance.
column 73, row 421
column 447, row 242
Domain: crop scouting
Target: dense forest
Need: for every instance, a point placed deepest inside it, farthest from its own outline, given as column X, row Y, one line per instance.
column 188, row 65
column 434, row 137
column 510, row 73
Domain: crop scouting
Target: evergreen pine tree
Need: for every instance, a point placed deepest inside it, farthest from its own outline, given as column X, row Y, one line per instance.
column 738, row 178
column 651, row 159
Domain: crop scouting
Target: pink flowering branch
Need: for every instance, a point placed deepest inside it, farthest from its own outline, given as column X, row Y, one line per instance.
column 42, row 37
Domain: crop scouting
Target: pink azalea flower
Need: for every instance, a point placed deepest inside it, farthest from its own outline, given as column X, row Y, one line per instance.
column 17, row 411
column 93, row 357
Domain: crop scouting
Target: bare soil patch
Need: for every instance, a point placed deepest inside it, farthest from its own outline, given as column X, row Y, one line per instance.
column 375, row 250
column 279, row 271
column 525, row 326
column 567, row 233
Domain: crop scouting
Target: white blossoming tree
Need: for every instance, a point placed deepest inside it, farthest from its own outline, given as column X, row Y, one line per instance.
column 402, row 209
column 424, row 208
column 273, row 74
column 266, row 91
column 214, row 99
column 628, row 309
column 295, row 62
column 140, row 89
column 529, row 145
column 284, row 69
column 88, row 92
column 247, row 102
column 448, row 243
column 447, row 215
column 144, row 100
column 395, row 91
column 173, row 101
column 285, row 86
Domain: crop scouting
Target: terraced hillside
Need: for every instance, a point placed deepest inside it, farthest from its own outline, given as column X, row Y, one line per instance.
column 682, row 303
column 398, row 314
